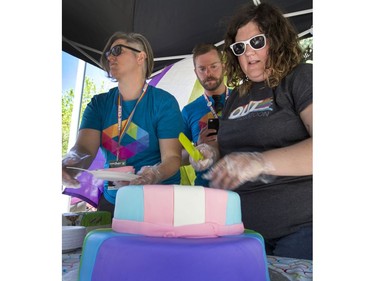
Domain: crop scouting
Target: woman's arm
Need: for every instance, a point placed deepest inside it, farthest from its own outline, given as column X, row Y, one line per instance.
column 80, row 155
column 294, row 160
column 170, row 150
column 88, row 141
column 236, row 168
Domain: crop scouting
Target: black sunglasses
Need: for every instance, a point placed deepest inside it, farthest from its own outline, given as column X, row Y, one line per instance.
column 256, row 42
column 116, row 50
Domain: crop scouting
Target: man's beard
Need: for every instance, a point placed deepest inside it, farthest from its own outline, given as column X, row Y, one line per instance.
column 211, row 87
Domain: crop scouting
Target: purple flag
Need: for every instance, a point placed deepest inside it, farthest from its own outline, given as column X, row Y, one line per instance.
column 91, row 188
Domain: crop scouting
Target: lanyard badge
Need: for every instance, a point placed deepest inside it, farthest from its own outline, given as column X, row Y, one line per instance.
column 117, row 163
column 121, row 133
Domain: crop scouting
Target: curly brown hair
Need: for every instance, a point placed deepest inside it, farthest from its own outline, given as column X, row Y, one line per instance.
column 284, row 54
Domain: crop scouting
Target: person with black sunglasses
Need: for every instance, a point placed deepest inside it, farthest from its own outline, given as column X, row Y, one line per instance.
column 264, row 148
column 134, row 124
column 201, row 116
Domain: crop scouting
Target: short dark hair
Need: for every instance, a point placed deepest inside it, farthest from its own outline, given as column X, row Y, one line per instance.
column 139, row 40
column 204, row 48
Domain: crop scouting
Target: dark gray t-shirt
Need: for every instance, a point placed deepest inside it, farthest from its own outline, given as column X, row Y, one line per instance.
column 265, row 119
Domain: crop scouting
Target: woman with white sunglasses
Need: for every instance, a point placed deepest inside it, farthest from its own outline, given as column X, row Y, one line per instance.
column 265, row 136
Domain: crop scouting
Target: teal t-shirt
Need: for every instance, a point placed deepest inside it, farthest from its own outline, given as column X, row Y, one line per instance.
column 157, row 116
column 195, row 116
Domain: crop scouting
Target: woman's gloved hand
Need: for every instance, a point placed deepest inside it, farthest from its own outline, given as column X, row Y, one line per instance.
column 210, row 155
column 148, row 175
column 73, row 159
column 237, row 168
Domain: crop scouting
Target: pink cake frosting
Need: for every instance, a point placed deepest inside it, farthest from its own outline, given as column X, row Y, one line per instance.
column 125, row 169
column 177, row 211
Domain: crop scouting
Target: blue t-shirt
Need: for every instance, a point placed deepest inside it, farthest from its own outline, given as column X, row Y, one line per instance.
column 196, row 115
column 157, row 116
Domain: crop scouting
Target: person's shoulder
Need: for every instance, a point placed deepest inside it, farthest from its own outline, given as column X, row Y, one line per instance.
column 158, row 91
column 196, row 101
column 161, row 97
column 192, row 105
column 103, row 99
column 232, row 92
column 109, row 94
column 303, row 68
column 301, row 71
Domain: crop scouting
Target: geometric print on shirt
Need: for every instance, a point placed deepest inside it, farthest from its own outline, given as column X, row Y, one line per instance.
column 140, row 140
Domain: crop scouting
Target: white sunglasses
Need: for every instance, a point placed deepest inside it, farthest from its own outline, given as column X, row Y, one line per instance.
column 256, row 42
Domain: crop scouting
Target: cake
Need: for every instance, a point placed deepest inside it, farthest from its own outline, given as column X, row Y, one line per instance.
column 177, row 211
column 173, row 232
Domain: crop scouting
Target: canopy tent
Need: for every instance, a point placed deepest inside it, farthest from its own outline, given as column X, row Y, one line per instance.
column 173, row 27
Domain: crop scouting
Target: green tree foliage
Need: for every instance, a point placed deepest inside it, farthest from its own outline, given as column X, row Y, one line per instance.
column 307, row 47
column 89, row 90
column 66, row 108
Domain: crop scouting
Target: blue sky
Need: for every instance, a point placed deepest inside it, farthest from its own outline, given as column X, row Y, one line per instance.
column 69, row 72
column 69, row 68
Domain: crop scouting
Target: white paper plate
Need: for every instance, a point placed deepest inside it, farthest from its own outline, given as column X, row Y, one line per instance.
column 113, row 176
column 72, row 237
column 109, row 175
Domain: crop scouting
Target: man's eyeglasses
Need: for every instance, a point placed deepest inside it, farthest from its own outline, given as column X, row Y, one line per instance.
column 256, row 42
column 212, row 67
column 116, row 50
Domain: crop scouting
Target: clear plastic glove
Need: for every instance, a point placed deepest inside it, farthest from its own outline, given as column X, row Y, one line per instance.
column 73, row 159
column 210, row 155
column 148, row 175
column 237, row 168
